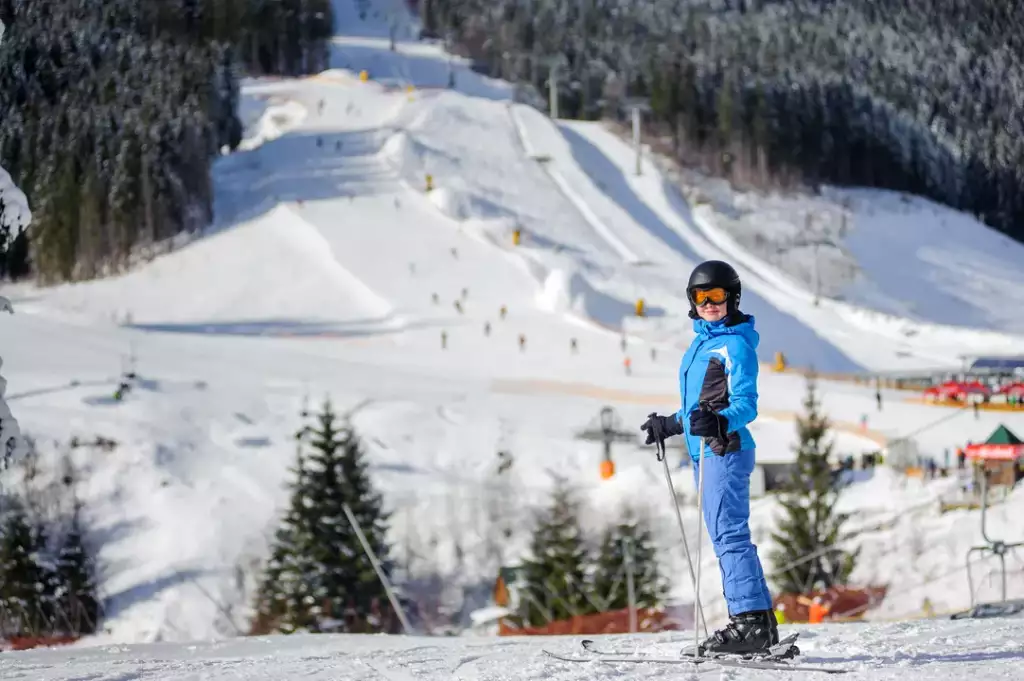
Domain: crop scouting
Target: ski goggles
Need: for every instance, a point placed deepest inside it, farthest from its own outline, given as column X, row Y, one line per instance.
column 715, row 296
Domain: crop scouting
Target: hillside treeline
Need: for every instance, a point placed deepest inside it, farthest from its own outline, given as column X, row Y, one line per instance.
column 113, row 112
column 925, row 96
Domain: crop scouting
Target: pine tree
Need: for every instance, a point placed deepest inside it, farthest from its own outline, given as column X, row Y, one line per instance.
column 609, row 581
column 24, row 575
column 75, row 591
column 555, row 578
column 810, row 522
column 319, row 576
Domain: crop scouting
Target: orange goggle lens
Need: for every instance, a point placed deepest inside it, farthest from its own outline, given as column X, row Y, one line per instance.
column 715, row 296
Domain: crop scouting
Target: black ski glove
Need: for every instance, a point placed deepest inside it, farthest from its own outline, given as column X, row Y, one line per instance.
column 707, row 424
column 661, row 427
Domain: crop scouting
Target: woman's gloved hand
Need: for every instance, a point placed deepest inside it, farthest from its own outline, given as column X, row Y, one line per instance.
column 661, row 426
column 704, row 422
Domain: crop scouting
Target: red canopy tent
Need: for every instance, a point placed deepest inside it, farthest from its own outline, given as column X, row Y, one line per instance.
column 1001, row 445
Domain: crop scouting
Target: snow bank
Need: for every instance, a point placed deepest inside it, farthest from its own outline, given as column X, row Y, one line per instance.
column 300, row 284
column 568, row 292
column 267, row 119
column 464, row 206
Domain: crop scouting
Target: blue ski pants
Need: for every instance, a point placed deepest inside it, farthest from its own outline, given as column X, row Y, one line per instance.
column 727, row 514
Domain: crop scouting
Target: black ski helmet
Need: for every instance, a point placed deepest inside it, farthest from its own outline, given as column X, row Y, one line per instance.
column 711, row 274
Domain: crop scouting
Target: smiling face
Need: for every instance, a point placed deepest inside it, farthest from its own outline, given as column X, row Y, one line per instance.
column 711, row 304
column 711, row 312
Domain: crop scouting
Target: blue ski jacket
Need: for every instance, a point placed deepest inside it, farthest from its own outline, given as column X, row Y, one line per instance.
column 720, row 367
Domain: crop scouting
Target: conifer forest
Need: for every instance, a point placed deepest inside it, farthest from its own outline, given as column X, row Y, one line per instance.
column 113, row 112
column 925, row 97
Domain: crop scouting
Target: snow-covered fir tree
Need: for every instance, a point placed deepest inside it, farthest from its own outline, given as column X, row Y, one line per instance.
column 554, row 579
column 809, row 520
column 319, row 577
column 609, row 582
column 25, row 572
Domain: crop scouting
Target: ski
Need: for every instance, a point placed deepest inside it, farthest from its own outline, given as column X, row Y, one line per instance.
column 774, row 658
column 713, row 662
column 783, row 650
column 607, row 657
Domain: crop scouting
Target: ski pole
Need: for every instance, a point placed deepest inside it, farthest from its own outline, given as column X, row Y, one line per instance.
column 660, row 443
column 700, row 542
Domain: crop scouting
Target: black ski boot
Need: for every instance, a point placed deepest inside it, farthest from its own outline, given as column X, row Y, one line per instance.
column 750, row 633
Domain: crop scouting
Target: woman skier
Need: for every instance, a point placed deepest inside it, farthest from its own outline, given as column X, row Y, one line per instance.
column 718, row 386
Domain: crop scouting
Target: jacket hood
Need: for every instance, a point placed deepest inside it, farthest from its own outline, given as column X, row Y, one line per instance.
column 745, row 329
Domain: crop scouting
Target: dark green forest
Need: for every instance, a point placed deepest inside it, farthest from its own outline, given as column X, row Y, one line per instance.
column 923, row 96
column 113, row 112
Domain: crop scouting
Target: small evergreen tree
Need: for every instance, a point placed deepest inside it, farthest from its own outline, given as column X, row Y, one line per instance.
column 318, row 576
column 75, row 591
column 609, row 582
column 810, row 522
column 555, row 578
column 24, row 574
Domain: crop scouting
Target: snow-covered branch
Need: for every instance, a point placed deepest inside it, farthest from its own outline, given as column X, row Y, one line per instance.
column 14, row 212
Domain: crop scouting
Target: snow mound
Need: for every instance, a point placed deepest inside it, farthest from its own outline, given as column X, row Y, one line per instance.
column 413, row 160
column 569, row 292
column 210, row 292
column 462, row 206
column 402, row 151
column 276, row 118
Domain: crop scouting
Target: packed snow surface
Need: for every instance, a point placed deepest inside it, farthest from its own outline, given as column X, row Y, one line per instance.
column 932, row 650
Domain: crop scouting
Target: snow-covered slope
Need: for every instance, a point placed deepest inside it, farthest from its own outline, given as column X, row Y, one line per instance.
column 934, row 650
column 320, row 278
column 596, row 166
column 891, row 252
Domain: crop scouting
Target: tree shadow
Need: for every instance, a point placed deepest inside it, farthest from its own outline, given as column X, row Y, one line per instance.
column 146, row 591
column 287, row 328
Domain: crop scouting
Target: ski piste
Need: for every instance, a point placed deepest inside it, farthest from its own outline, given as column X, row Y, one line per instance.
column 772, row 661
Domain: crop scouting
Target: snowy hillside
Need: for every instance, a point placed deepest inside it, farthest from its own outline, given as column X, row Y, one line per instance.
column 332, row 270
column 914, row 651
column 894, row 253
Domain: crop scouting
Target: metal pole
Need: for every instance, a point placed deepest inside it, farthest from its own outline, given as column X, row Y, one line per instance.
column 682, row 532
column 377, row 568
column 700, row 542
column 984, row 502
column 627, row 550
column 636, row 137
column 553, row 91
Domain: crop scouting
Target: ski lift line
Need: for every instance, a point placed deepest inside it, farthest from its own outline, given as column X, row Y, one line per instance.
column 945, row 418
column 378, row 569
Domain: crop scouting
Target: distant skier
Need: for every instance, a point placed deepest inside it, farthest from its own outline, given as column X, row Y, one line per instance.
column 718, row 386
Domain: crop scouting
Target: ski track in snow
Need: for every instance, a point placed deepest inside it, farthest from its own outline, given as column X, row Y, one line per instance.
column 984, row 650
